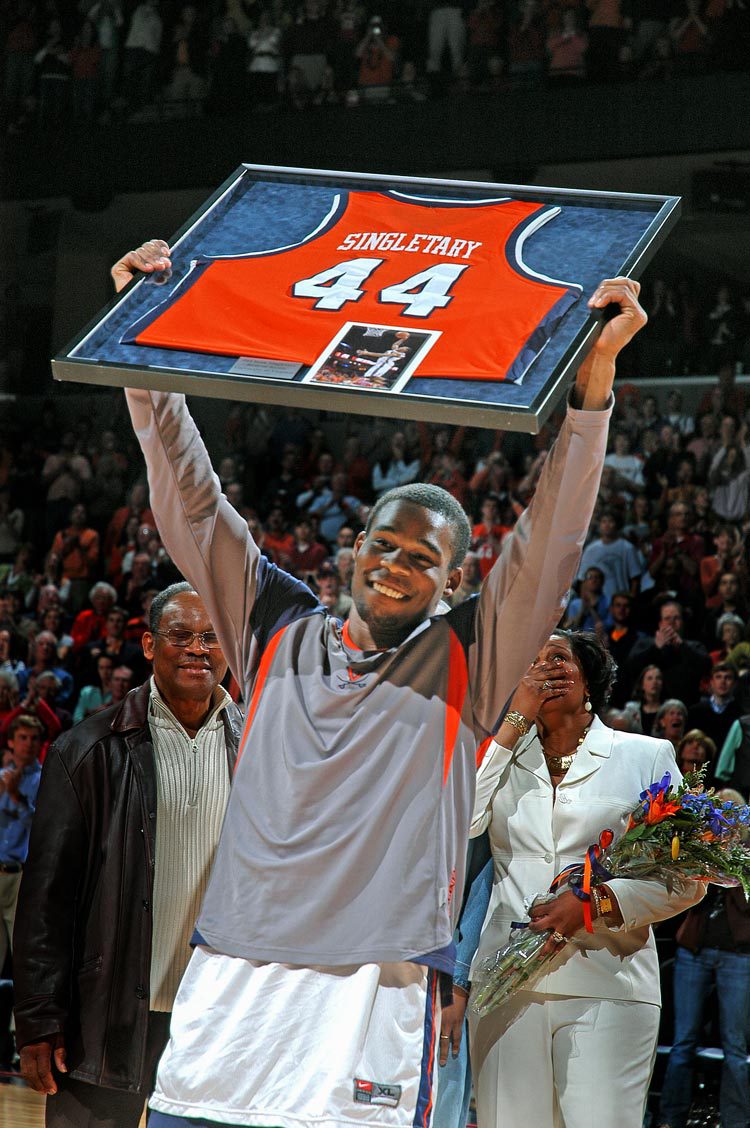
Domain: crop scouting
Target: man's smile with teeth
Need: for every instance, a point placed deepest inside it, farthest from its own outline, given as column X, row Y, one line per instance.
column 389, row 591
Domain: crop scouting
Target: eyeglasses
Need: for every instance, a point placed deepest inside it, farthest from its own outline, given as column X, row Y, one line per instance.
column 182, row 639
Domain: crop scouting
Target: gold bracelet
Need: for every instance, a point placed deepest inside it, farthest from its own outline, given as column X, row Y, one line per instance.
column 518, row 721
column 597, row 902
column 602, row 900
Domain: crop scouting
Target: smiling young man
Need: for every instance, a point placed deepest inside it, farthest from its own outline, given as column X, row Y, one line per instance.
column 311, row 1000
column 406, row 560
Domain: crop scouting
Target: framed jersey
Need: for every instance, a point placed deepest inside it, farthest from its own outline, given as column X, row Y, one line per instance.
column 443, row 300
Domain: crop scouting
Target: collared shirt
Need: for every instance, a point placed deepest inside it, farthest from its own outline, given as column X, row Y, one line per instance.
column 192, row 786
column 15, row 817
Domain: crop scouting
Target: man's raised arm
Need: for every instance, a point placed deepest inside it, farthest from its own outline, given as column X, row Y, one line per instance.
column 205, row 536
column 596, row 376
column 523, row 596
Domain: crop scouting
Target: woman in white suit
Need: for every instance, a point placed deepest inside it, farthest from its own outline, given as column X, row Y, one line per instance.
column 577, row 1051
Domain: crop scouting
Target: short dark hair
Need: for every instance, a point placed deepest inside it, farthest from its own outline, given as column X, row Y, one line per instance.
column 597, row 664
column 667, row 602
column 25, row 720
column 162, row 599
column 437, row 500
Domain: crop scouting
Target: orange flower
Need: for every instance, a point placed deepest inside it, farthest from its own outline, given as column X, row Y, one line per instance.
column 659, row 810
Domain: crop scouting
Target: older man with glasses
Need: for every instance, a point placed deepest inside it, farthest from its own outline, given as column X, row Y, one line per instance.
column 127, row 822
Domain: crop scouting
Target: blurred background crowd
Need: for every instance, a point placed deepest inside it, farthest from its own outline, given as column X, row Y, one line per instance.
column 95, row 60
column 664, row 578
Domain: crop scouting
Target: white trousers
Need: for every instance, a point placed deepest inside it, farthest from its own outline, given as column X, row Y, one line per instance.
column 553, row 1061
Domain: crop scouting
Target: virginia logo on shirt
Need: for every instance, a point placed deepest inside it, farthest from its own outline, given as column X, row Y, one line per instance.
column 350, row 679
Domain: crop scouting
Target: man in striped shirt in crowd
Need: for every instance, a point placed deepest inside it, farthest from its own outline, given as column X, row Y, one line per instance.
column 126, row 825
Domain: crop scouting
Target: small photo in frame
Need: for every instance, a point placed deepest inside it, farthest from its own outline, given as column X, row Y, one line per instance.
column 379, row 358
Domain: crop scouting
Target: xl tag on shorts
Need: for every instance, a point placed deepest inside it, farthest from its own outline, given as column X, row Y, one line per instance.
column 375, row 1093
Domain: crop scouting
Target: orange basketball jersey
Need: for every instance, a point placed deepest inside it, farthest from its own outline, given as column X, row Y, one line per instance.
column 382, row 259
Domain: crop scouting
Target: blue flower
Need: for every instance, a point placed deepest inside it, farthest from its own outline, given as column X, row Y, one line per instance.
column 657, row 788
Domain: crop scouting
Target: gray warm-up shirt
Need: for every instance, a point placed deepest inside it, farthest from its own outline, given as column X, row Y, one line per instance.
column 345, row 836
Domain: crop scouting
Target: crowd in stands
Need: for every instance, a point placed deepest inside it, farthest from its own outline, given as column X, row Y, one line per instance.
column 664, row 577
column 90, row 60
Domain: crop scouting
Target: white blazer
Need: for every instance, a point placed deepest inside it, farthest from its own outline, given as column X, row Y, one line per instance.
column 533, row 838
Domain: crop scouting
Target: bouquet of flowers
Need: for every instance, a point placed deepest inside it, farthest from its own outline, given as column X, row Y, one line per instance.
column 671, row 835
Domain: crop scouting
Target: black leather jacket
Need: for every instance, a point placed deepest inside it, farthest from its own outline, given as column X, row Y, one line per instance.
column 82, row 938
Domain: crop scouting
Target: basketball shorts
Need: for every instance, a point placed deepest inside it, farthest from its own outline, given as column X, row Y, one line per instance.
column 275, row 1046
